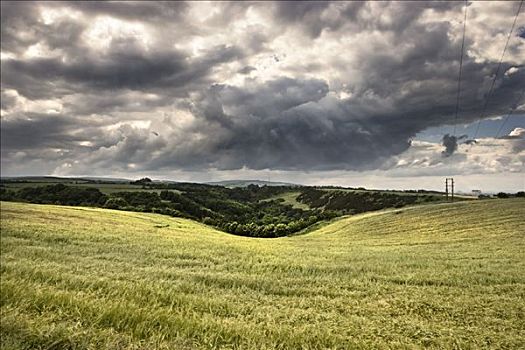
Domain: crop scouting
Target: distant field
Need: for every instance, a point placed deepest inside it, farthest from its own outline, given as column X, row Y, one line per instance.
column 290, row 198
column 401, row 193
column 442, row 276
column 104, row 188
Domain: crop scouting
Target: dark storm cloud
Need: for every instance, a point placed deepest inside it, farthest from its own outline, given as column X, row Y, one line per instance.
column 238, row 85
column 23, row 27
column 307, row 12
column 316, row 16
column 118, row 70
column 247, row 70
column 16, row 17
column 286, row 124
column 521, row 32
column 121, row 70
column 37, row 131
column 7, row 101
column 267, row 127
column 132, row 10
column 451, row 144
column 125, row 65
column 118, row 101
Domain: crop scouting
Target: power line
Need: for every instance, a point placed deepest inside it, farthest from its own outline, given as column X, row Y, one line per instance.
column 497, row 71
column 449, row 184
column 460, row 67
column 510, row 113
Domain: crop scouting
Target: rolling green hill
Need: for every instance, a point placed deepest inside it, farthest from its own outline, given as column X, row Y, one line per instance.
column 267, row 211
column 436, row 276
column 246, row 183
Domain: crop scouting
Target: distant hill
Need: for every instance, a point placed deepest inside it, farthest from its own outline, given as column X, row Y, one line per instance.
column 58, row 179
column 245, row 183
column 62, row 179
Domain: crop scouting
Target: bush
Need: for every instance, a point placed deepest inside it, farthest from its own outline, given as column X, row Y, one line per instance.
column 62, row 195
column 209, row 221
column 6, row 195
column 116, row 203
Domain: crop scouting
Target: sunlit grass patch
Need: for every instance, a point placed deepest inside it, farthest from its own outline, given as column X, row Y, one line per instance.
column 436, row 276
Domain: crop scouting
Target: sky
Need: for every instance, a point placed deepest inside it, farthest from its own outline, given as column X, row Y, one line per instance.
column 318, row 93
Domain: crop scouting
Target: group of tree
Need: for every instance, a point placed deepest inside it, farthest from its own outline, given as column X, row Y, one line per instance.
column 56, row 194
column 519, row 194
column 238, row 211
column 351, row 202
column 248, row 211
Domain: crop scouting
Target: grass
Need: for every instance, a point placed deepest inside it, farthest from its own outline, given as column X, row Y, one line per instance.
column 104, row 188
column 290, row 198
column 436, row 195
column 448, row 276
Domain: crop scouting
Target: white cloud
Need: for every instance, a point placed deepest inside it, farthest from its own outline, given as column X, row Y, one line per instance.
column 517, row 132
column 487, row 156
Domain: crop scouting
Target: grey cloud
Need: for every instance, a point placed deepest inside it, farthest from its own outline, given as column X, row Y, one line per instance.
column 285, row 124
column 265, row 127
column 75, row 66
column 7, row 101
column 423, row 79
column 307, row 13
column 122, row 70
column 36, row 131
column 133, row 10
column 137, row 147
column 519, row 146
column 247, row 70
column 315, row 16
column 518, row 140
column 122, row 101
column 17, row 18
column 131, row 148
column 118, row 70
column 451, row 144
column 23, row 27
column 521, row 32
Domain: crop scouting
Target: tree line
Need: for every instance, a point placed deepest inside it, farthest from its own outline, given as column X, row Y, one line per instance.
column 248, row 211
column 239, row 211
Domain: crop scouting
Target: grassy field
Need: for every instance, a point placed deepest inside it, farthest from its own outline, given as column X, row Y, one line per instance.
column 290, row 198
column 400, row 193
column 104, row 188
column 448, row 276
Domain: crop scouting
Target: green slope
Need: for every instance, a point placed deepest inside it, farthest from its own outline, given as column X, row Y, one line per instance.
column 437, row 276
column 290, row 198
